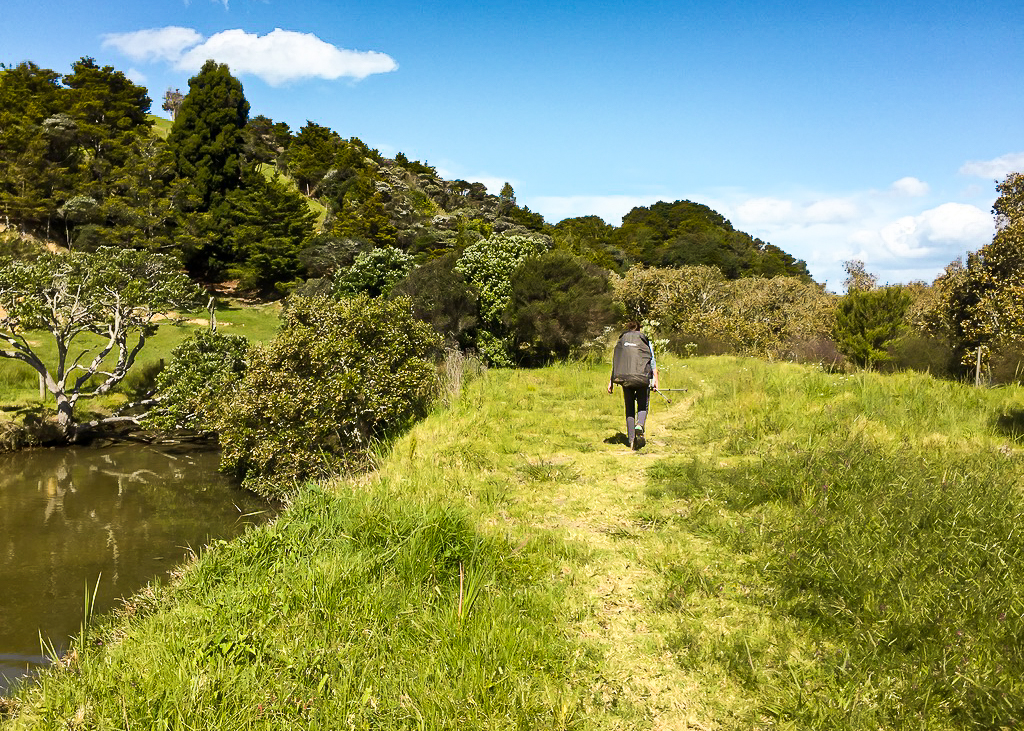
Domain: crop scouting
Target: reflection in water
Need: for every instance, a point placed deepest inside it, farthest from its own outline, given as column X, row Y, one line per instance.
column 123, row 515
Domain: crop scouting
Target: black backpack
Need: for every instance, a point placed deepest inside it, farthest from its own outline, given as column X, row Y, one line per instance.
column 631, row 363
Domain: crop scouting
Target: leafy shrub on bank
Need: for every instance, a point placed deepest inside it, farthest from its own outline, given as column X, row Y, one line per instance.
column 201, row 373
column 339, row 375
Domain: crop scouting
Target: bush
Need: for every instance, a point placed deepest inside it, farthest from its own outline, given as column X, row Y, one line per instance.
column 1006, row 364
column 199, row 378
column 488, row 266
column 868, row 321
column 375, row 272
column 339, row 375
column 443, row 299
column 556, row 304
column 924, row 353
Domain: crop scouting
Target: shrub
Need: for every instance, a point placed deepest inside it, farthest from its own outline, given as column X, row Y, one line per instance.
column 1006, row 363
column 443, row 299
column 868, row 321
column 201, row 374
column 488, row 265
column 375, row 272
column 754, row 315
column 556, row 304
column 925, row 353
column 769, row 317
column 338, row 375
column 677, row 297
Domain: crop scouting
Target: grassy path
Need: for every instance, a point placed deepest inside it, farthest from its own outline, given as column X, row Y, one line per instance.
column 569, row 475
column 618, row 585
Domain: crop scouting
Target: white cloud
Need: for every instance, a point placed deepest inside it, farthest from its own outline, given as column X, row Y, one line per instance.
column 136, row 76
column 766, row 210
column 831, row 210
column 154, row 44
column 956, row 224
column 278, row 57
column 282, row 56
column 996, row 169
column 886, row 229
column 910, row 187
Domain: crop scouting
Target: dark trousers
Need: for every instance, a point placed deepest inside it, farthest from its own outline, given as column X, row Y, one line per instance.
column 637, row 400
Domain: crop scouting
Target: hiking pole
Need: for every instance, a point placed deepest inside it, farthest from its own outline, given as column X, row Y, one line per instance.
column 658, row 391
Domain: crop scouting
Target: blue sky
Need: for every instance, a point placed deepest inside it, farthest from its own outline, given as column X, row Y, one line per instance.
column 871, row 130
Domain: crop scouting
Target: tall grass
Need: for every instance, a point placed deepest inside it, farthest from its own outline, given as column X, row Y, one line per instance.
column 369, row 609
column 883, row 515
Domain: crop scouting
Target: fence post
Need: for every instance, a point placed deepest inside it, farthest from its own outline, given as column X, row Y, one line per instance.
column 977, row 369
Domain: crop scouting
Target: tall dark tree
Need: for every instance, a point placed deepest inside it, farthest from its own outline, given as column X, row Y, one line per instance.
column 31, row 152
column 136, row 210
column 110, row 111
column 270, row 225
column 117, row 187
column 312, row 154
column 207, row 138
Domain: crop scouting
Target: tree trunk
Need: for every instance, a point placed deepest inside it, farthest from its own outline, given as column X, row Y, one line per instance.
column 66, row 419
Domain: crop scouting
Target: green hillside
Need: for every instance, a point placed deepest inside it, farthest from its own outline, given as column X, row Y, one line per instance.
column 792, row 549
column 161, row 126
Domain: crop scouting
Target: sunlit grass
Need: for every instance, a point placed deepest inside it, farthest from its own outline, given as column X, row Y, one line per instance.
column 878, row 519
column 793, row 549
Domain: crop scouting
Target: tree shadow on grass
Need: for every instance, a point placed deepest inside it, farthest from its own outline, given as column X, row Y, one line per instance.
column 1011, row 424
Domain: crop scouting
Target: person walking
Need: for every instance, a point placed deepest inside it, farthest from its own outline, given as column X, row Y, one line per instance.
column 635, row 368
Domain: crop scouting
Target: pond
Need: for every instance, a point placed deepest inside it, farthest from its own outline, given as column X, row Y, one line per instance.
column 119, row 516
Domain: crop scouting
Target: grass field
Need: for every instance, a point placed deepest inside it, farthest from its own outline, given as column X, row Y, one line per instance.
column 792, row 549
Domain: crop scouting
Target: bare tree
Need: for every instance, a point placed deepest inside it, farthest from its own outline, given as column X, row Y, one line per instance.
column 172, row 102
column 98, row 309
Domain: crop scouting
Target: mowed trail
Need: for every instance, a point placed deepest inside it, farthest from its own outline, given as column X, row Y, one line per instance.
column 619, row 594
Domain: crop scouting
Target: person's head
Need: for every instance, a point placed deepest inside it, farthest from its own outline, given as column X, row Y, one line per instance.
column 633, row 325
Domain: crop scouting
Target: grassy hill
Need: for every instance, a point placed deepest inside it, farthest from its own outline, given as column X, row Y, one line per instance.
column 792, row 549
column 161, row 126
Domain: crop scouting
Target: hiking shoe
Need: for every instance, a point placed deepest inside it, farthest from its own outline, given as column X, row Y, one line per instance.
column 639, row 442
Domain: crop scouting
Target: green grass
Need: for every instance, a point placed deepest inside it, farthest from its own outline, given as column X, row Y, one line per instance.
column 877, row 520
column 161, row 126
column 792, row 549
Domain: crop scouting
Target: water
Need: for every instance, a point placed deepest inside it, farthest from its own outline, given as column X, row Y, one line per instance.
column 121, row 515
